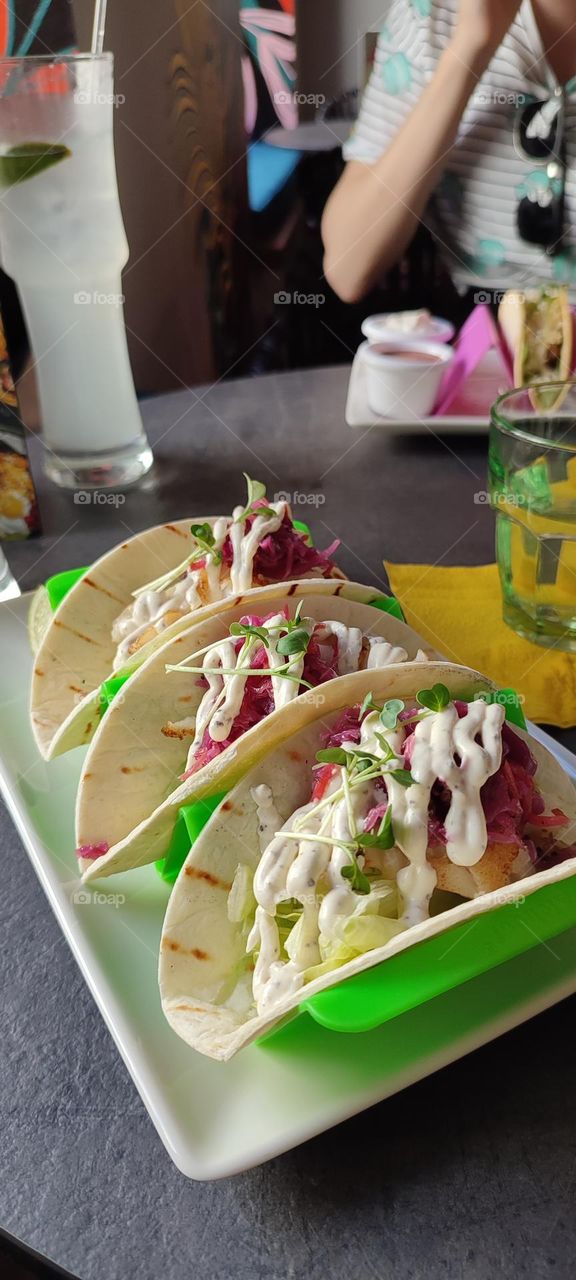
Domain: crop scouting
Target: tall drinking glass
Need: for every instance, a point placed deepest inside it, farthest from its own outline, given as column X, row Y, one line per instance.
column 62, row 240
column 533, row 491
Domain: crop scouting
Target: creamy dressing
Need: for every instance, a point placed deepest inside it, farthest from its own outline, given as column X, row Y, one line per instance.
column 275, row 978
column 381, row 653
column 197, row 587
column 349, row 641
column 150, row 610
column 283, row 690
column 222, row 700
column 307, row 849
column 292, row 868
column 438, row 739
column 245, row 542
column 220, row 704
column 269, row 820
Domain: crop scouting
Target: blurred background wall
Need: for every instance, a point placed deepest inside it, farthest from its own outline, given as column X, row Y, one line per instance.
column 331, row 42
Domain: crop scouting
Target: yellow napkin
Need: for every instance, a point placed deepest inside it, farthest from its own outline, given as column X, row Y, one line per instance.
column 459, row 612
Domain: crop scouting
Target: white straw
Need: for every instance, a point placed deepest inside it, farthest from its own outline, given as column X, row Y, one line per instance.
column 98, row 28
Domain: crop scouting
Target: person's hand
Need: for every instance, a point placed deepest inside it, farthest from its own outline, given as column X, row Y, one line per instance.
column 481, row 26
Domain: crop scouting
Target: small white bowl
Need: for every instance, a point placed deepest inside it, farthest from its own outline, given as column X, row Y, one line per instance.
column 399, row 383
column 381, row 328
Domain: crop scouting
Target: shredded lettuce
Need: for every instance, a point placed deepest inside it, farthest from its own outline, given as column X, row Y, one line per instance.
column 241, row 900
column 372, row 923
column 366, row 933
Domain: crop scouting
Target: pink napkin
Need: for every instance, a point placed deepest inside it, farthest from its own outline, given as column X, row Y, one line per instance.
column 478, row 335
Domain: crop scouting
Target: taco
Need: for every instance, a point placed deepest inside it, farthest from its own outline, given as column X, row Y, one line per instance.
column 538, row 329
column 140, row 594
column 332, row 852
column 200, row 707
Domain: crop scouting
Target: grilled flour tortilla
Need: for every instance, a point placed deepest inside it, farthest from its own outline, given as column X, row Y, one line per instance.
column 317, row 866
column 538, row 329
column 143, row 592
column 201, row 706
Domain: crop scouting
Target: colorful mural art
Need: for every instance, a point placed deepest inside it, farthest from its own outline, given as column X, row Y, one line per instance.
column 269, row 65
column 35, row 27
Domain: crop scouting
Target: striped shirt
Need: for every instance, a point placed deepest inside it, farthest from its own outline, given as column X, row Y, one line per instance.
column 473, row 211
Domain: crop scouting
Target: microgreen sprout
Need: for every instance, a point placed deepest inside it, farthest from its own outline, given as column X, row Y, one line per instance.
column 256, row 491
column 368, row 705
column 254, row 636
column 293, row 642
column 434, row 699
column 358, row 881
column 383, row 838
column 403, row 776
column 332, row 755
column 390, row 712
column 387, row 751
column 204, row 538
column 247, row 630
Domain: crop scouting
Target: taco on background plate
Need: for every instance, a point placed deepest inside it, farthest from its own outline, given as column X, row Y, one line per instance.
column 193, row 716
column 329, row 855
column 538, row 327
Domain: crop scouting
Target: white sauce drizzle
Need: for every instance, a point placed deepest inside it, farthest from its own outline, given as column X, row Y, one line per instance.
column 382, row 654
column 444, row 748
column 222, row 701
column 269, row 820
column 150, row 609
column 438, row 739
column 245, row 542
column 198, row 586
column 349, row 641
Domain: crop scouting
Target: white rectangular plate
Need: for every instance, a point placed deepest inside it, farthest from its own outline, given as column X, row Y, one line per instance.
column 218, row 1119
column 468, row 414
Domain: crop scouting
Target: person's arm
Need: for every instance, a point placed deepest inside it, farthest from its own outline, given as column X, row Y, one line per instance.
column 372, row 214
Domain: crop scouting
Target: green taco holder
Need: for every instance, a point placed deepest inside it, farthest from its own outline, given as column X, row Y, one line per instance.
column 388, row 604
column 59, row 584
column 496, row 941
column 191, row 820
column 303, row 529
column 58, row 587
column 109, row 688
column 451, row 958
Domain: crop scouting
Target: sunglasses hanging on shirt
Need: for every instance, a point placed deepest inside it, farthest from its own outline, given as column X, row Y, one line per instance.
column 539, row 139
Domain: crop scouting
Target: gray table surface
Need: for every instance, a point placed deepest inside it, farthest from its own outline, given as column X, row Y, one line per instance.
column 468, row 1174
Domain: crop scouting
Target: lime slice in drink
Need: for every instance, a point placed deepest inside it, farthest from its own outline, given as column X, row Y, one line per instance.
column 26, row 159
column 39, row 618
